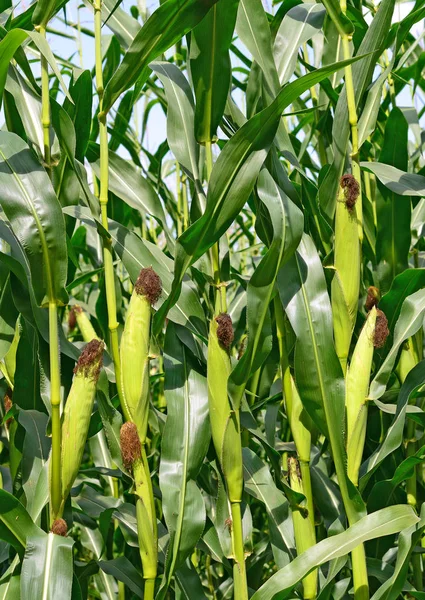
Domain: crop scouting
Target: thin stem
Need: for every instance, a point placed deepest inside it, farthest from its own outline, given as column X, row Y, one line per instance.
column 239, row 569
column 149, row 589
column 45, row 107
column 185, row 204
column 103, row 199
column 55, row 381
column 179, row 200
column 215, row 255
column 55, row 482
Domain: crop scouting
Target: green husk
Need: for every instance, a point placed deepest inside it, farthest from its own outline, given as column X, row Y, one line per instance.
column 225, row 424
column 134, row 354
column 356, row 392
column 77, row 413
column 346, row 282
column 84, row 325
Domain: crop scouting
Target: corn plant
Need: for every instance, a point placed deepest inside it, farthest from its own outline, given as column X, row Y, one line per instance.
column 212, row 297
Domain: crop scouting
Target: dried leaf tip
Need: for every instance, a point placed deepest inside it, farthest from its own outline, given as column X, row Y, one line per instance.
column 381, row 329
column 373, row 297
column 149, row 284
column 351, row 188
column 130, row 444
column 91, row 359
column 59, row 527
column 225, row 332
column 7, row 403
column 7, row 400
column 72, row 319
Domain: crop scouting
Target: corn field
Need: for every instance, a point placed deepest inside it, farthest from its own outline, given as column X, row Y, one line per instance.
column 212, row 299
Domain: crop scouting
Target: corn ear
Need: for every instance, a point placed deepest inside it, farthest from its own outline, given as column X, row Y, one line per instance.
column 77, row 412
column 135, row 349
column 346, row 282
column 84, row 325
column 357, row 389
column 225, row 424
column 305, row 536
column 135, row 361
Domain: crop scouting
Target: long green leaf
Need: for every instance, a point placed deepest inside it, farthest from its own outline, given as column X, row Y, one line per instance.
column 299, row 24
column 185, row 443
column 16, row 526
column 399, row 182
column 384, row 522
column 47, row 567
column 211, row 68
column 393, row 211
column 33, row 210
column 168, row 24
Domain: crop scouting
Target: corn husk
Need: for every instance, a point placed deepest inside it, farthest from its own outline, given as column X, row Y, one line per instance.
column 77, row 413
column 356, row 392
column 346, row 281
column 225, row 425
column 84, row 325
column 135, row 362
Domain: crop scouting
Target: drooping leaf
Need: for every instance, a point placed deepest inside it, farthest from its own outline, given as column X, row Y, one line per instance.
column 383, row 522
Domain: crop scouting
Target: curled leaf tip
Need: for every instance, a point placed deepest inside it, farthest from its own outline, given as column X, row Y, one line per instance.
column 130, row 444
column 373, row 297
column 149, row 284
column 381, row 329
column 59, row 527
column 225, row 332
column 91, row 359
column 351, row 188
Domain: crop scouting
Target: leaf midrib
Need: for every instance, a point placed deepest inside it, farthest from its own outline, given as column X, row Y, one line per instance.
column 38, row 224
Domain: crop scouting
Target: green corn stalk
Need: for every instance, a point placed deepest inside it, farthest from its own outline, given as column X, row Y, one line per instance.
column 406, row 363
column 226, row 435
column 41, row 19
column 134, row 459
column 76, row 417
column 111, row 301
column 305, row 536
column 134, row 356
column 356, row 392
column 300, row 424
